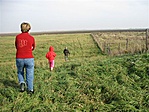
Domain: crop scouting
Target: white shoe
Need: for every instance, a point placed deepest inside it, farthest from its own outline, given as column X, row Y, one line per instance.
column 51, row 68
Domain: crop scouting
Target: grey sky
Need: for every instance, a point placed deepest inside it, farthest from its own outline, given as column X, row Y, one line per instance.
column 58, row 15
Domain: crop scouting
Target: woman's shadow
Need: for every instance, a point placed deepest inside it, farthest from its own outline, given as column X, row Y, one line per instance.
column 9, row 83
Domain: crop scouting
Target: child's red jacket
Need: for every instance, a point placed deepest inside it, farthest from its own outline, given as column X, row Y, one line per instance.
column 51, row 54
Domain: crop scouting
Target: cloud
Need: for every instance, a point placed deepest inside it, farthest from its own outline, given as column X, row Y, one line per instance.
column 73, row 14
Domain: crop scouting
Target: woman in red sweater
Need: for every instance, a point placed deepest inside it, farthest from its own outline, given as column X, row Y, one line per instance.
column 25, row 44
column 51, row 56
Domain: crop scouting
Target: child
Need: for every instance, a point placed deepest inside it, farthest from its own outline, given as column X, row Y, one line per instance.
column 50, row 56
column 66, row 53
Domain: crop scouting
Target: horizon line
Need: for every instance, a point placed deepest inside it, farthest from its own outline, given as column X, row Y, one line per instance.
column 80, row 31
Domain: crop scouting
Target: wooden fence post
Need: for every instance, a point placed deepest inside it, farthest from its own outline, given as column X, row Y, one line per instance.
column 109, row 49
column 126, row 44
column 119, row 48
column 147, row 35
column 104, row 47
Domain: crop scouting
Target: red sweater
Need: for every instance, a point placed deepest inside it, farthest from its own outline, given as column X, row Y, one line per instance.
column 24, row 44
column 51, row 54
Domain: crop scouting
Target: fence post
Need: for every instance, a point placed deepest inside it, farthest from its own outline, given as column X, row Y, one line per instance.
column 147, row 35
column 109, row 49
column 126, row 44
column 104, row 47
column 119, row 48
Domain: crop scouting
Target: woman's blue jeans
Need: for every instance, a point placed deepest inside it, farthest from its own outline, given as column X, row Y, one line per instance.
column 26, row 65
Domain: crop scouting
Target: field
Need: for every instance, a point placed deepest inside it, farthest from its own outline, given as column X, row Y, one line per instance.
column 89, row 82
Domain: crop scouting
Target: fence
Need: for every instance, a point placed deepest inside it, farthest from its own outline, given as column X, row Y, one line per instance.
column 122, row 42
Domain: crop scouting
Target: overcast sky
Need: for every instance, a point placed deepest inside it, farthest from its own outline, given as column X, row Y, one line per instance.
column 64, row 15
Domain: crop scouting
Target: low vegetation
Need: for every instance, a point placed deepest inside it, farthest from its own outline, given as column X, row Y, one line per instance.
column 119, row 43
column 88, row 82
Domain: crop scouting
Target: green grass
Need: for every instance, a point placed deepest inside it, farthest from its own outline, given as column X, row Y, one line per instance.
column 88, row 82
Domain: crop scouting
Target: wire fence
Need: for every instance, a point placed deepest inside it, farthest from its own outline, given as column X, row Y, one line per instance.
column 126, row 42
